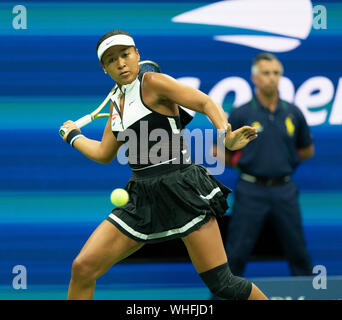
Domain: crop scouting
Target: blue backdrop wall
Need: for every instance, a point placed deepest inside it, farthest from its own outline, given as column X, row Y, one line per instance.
column 50, row 73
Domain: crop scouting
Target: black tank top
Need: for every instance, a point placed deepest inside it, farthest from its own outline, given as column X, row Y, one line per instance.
column 152, row 140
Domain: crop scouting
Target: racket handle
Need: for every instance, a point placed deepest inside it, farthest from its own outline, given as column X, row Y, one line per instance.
column 84, row 121
column 79, row 123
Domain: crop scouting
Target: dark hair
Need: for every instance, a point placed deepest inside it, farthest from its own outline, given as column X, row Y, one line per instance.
column 264, row 56
column 111, row 33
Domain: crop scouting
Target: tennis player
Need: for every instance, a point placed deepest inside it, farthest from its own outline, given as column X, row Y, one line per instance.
column 170, row 197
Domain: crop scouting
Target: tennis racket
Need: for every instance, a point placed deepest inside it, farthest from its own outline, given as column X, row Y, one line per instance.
column 144, row 66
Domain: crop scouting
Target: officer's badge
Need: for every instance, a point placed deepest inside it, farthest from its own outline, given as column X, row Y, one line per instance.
column 289, row 126
column 257, row 125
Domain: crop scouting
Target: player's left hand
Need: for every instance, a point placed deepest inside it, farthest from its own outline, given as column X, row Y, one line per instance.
column 239, row 138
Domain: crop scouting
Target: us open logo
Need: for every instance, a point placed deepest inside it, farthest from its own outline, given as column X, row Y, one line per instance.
column 284, row 23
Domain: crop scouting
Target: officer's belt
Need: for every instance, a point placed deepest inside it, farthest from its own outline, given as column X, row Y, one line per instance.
column 264, row 180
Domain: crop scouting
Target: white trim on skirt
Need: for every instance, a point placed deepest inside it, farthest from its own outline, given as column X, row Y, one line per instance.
column 211, row 194
column 167, row 233
column 157, row 235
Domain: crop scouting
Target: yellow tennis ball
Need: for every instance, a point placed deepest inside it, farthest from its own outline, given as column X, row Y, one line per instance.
column 119, row 197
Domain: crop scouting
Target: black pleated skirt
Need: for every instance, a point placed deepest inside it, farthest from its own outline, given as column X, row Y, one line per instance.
column 170, row 205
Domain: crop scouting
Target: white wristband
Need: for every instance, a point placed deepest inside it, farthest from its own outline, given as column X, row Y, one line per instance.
column 76, row 137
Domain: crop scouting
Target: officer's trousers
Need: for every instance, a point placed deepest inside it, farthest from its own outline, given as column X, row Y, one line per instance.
column 253, row 203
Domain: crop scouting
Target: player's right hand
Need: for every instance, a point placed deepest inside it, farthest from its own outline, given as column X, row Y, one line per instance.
column 67, row 127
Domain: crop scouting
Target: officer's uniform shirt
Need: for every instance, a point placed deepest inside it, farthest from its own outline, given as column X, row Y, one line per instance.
column 273, row 153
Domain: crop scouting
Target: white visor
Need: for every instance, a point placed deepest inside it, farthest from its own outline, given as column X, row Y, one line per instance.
column 117, row 40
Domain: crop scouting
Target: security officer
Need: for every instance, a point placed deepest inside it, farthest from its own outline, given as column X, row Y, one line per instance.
column 265, row 189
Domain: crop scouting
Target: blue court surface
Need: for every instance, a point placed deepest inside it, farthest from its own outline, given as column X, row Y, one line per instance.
column 44, row 232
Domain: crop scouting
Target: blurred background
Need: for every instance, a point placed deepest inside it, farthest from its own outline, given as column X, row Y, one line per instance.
column 52, row 198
